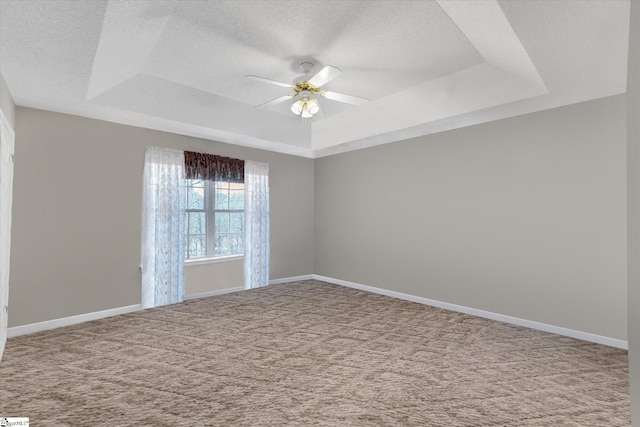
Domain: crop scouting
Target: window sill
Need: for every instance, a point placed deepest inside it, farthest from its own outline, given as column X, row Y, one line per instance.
column 213, row 260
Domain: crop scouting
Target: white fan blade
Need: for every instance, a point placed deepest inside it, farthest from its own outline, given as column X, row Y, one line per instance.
column 276, row 101
column 269, row 81
column 325, row 75
column 341, row 97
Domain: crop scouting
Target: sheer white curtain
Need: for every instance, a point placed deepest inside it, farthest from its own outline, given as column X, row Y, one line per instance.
column 163, row 246
column 256, row 224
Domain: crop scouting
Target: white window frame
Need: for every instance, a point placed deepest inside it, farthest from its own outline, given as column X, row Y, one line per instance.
column 210, row 210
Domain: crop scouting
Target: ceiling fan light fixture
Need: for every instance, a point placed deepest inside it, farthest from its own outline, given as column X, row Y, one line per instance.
column 305, row 106
column 313, row 106
column 297, row 107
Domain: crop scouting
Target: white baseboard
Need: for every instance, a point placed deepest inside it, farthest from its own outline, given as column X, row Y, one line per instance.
column 585, row 336
column 213, row 293
column 241, row 288
column 291, row 279
column 71, row 320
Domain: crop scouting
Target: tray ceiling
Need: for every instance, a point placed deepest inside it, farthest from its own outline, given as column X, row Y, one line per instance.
column 426, row 66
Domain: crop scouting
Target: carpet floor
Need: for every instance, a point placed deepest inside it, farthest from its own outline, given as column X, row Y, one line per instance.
column 309, row 353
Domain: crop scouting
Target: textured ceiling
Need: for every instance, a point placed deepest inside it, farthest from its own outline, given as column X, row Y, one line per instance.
column 426, row 66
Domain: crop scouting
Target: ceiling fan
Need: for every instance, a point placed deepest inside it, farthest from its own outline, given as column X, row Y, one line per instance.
column 304, row 88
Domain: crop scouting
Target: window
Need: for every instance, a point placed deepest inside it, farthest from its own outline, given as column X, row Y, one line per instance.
column 214, row 219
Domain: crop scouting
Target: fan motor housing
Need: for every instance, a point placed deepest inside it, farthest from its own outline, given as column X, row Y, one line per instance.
column 300, row 85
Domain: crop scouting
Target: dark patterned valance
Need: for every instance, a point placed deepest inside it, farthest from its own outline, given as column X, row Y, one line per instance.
column 212, row 167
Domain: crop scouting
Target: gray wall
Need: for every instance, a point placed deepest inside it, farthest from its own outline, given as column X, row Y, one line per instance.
column 227, row 274
column 633, row 200
column 523, row 217
column 6, row 103
column 77, row 213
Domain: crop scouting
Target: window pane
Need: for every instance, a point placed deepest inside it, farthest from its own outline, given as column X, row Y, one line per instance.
column 222, row 222
column 228, row 227
column 222, row 198
column 196, row 246
column 197, row 223
column 195, row 197
column 236, row 199
column 237, row 246
column 237, row 222
column 222, row 244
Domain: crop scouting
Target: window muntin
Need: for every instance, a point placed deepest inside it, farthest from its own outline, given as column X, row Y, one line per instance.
column 214, row 219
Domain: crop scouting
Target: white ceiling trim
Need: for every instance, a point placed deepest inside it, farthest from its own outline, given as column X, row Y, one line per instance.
column 117, row 115
column 483, row 22
column 508, row 75
column 120, row 57
column 427, row 66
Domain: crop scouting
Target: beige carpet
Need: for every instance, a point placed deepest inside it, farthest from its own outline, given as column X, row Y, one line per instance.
column 309, row 353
